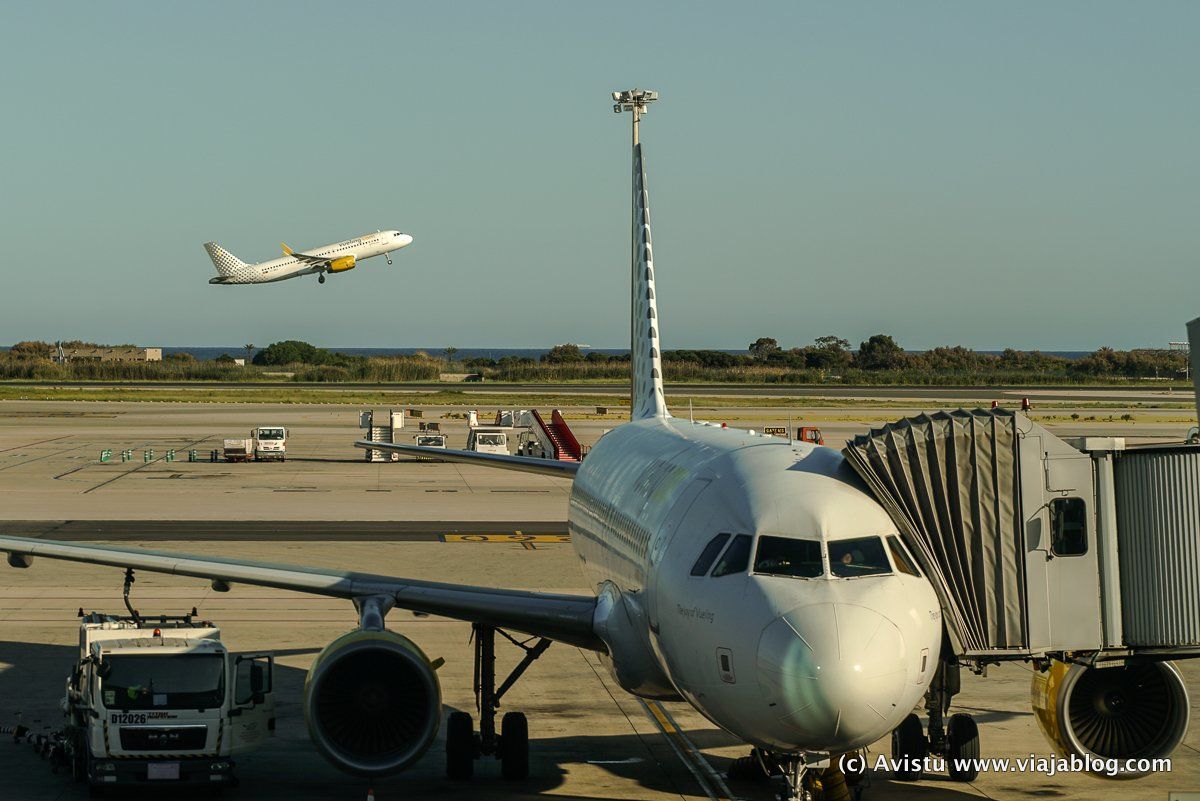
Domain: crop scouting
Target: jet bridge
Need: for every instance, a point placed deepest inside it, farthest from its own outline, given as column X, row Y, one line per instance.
column 1041, row 547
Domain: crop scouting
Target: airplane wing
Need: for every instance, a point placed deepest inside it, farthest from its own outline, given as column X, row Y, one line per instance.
column 525, row 464
column 304, row 257
column 565, row 618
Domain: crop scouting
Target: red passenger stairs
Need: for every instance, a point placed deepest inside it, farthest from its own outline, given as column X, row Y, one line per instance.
column 566, row 447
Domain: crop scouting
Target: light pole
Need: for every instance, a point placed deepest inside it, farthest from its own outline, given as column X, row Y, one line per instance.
column 635, row 100
column 638, row 101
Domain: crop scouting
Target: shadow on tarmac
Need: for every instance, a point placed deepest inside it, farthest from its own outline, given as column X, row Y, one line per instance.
column 32, row 677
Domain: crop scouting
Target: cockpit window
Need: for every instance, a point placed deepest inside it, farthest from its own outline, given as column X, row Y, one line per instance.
column 736, row 557
column 709, row 554
column 781, row 556
column 862, row 556
column 904, row 562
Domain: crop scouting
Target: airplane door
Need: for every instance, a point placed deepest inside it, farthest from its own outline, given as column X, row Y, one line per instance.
column 253, row 710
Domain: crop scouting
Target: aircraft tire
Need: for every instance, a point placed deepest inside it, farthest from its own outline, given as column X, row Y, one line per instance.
column 460, row 746
column 962, row 743
column 514, row 746
column 909, row 744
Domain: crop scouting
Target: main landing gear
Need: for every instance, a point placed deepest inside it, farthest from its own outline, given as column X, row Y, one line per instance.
column 320, row 278
column 511, row 745
column 957, row 741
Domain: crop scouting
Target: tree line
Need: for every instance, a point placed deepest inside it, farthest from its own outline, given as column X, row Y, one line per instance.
column 879, row 359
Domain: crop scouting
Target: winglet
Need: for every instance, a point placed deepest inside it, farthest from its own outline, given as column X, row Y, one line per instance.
column 286, row 250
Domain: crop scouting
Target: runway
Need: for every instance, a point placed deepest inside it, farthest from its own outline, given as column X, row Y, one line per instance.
column 1064, row 392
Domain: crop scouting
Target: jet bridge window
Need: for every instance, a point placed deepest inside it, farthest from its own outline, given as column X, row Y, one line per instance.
column 783, row 556
column 1068, row 527
column 736, row 557
column 861, row 556
column 709, row 554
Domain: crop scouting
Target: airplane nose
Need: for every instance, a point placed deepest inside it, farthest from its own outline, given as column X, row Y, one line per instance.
column 405, row 240
column 833, row 673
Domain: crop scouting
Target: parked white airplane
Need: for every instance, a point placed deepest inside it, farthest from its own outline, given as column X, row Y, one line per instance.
column 336, row 258
column 752, row 577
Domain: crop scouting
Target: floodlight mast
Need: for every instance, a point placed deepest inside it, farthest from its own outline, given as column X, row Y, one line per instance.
column 635, row 100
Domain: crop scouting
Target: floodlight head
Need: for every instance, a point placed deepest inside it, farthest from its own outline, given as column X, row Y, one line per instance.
column 635, row 100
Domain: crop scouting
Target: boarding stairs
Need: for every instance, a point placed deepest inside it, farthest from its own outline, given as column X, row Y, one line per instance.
column 382, row 433
column 557, row 435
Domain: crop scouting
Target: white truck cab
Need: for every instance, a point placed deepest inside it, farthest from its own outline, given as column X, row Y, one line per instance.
column 162, row 701
column 270, row 442
column 488, row 440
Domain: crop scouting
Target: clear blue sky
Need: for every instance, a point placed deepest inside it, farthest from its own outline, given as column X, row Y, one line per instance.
column 1020, row 173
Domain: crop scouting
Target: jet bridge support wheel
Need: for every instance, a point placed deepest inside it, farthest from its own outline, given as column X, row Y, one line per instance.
column 962, row 743
column 511, row 744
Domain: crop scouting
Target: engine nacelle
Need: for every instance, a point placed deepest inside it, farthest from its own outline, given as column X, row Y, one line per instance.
column 342, row 264
column 1127, row 711
column 372, row 702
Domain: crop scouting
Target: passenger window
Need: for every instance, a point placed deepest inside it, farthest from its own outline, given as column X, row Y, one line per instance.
column 782, row 556
column 900, row 556
column 862, row 556
column 1068, row 527
column 736, row 558
column 709, row 554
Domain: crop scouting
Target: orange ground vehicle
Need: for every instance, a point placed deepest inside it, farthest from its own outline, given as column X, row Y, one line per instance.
column 810, row 434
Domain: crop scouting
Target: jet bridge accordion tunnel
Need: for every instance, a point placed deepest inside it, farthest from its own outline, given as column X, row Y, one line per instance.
column 1081, row 556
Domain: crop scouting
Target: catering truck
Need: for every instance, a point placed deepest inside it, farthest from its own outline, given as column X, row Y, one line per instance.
column 162, row 702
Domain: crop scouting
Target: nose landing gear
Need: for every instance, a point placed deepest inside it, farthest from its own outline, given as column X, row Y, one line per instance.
column 803, row 779
column 388, row 256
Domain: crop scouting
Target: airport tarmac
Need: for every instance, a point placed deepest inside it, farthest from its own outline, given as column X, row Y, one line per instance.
column 326, row 506
column 50, row 466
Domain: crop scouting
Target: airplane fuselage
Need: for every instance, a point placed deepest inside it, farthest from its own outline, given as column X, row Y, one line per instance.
column 823, row 663
column 340, row 256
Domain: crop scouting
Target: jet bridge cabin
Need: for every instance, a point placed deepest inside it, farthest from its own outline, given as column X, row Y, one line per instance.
column 1038, row 547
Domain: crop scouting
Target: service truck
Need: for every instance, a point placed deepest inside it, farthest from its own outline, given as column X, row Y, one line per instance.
column 270, row 442
column 238, row 450
column 162, row 702
column 488, row 440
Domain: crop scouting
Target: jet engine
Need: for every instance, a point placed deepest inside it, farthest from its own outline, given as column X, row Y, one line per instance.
column 372, row 702
column 1133, row 710
column 342, row 264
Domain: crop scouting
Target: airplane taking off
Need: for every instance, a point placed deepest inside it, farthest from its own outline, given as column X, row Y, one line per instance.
column 757, row 579
column 336, row 258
